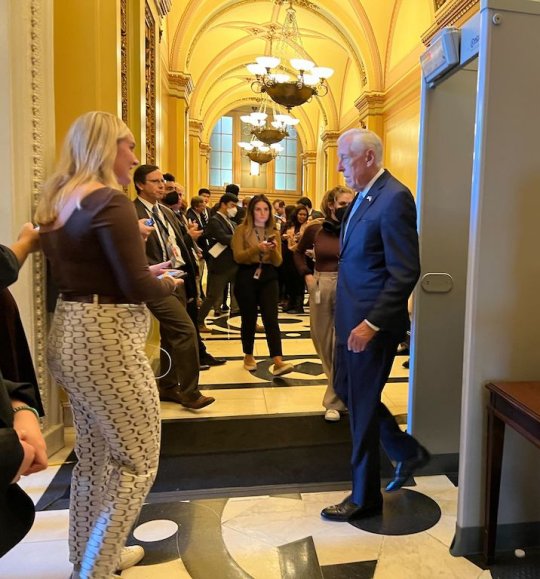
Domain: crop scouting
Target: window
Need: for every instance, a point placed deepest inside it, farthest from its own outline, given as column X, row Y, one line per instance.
column 221, row 155
column 286, row 176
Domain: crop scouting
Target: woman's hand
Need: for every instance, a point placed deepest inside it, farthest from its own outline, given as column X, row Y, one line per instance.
column 27, row 242
column 264, row 246
column 159, row 268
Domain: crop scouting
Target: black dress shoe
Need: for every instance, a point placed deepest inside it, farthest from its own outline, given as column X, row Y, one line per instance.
column 347, row 511
column 211, row 361
column 406, row 468
column 171, row 395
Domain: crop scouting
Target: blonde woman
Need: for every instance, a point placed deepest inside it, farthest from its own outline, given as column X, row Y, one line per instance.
column 89, row 233
column 257, row 249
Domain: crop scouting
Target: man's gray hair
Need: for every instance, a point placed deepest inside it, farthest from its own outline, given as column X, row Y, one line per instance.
column 360, row 140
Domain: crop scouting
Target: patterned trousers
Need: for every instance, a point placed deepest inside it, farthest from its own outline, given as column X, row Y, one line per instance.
column 96, row 352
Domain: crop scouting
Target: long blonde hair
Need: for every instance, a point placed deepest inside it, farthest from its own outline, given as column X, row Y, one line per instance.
column 88, row 154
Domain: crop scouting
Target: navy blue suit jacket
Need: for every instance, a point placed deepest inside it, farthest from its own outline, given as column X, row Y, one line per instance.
column 379, row 260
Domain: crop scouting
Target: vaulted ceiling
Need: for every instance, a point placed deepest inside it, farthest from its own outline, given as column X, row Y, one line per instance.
column 369, row 43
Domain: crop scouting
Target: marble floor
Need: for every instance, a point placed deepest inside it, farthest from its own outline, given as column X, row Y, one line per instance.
column 267, row 536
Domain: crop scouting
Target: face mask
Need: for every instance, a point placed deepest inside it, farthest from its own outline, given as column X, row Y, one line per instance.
column 232, row 211
column 340, row 212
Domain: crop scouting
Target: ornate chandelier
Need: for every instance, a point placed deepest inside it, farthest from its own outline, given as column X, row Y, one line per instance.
column 281, row 88
column 265, row 131
column 259, row 152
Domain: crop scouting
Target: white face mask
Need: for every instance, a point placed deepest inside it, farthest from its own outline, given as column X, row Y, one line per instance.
column 232, row 211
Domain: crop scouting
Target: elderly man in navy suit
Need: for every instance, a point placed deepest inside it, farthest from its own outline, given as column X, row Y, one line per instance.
column 378, row 269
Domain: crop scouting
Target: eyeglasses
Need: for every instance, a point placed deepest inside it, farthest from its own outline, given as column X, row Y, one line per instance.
column 155, row 181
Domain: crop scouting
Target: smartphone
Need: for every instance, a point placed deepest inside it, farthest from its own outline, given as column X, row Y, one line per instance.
column 149, row 222
column 172, row 273
column 271, row 239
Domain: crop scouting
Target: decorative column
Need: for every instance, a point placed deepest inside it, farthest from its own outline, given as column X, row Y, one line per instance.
column 180, row 89
column 27, row 150
column 370, row 108
column 309, row 173
column 204, row 173
column 331, row 176
column 195, row 132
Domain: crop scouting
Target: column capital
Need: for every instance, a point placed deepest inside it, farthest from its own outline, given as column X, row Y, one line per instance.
column 370, row 103
column 180, row 85
column 205, row 149
column 329, row 138
column 195, row 128
column 308, row 157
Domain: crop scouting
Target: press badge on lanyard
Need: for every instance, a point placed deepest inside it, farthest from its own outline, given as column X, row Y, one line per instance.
column 317, row 294
column 258, row 272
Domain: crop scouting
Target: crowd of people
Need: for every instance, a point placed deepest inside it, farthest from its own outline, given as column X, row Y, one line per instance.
column 114, row 261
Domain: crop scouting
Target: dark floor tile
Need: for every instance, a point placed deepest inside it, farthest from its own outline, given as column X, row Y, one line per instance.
column 298, row 560
column 508, row 566
column 405, row 512
column 359, row 570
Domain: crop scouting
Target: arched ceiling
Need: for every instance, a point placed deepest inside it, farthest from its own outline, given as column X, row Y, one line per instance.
column 213, row 40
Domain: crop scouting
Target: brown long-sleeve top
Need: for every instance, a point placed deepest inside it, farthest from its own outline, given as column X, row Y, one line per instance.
column 99, row 250
column 325, row 245
column 245, row 247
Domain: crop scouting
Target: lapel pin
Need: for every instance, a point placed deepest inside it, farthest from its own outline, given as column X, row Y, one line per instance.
column 369, row 198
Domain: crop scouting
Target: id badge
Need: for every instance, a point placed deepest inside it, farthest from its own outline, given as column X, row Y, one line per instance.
column 257, row 273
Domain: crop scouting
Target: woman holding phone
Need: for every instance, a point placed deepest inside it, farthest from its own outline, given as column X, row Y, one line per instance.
column 257, row 249
column 89, row 233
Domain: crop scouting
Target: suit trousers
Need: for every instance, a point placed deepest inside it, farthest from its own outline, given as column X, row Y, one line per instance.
column 179, row 348
column 97, row 353
column 322, row 306
column 358, row 380
column 215, row 286
column 253, row 294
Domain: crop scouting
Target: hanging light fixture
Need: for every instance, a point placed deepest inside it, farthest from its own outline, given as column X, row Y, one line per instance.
column 269, row 132
column 281, row 88
column 259, row 152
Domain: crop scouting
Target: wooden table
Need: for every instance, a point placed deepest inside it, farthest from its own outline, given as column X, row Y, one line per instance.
column 516, row 404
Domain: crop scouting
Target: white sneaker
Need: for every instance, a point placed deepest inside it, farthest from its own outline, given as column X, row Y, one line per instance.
column 283, row 369
column 130, row 556
column 332, row 415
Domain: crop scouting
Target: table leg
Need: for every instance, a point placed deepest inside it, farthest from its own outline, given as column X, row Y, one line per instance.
column 495, row 443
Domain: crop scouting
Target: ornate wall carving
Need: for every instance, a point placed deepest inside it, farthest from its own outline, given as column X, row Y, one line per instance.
column 37, row 83
column 124, row 58
column 449, row 13
column 150, row 84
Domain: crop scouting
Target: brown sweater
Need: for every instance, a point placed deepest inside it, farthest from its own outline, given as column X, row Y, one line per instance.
column 246, row 251
column 326, row 248
column 99, row 250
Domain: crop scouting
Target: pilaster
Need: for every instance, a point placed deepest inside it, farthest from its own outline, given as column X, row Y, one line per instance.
column 331, row 176
column 194, row 156
column 179, row 93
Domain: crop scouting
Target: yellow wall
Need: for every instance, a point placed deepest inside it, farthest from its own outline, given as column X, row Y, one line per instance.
column 401, row 144
column 86, row 60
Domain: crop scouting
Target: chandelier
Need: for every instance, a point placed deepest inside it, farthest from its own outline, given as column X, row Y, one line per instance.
column 265, row 131
column 281, row 88
column 260, row 152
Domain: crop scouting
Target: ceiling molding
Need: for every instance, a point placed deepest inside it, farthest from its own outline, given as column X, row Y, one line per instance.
column 451, row 13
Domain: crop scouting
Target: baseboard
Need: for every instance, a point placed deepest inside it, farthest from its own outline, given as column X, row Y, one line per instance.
column 468, row 540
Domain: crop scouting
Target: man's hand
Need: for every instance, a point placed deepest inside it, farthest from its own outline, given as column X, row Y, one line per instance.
column 194, row 231
column 144, row 229
column 360, row 337
column 27, row 427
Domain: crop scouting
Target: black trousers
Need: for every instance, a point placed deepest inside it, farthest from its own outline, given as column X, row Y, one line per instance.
column 179, row 340
column 253, row 294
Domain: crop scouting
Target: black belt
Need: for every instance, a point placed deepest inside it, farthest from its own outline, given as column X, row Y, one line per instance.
column 94, row 298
